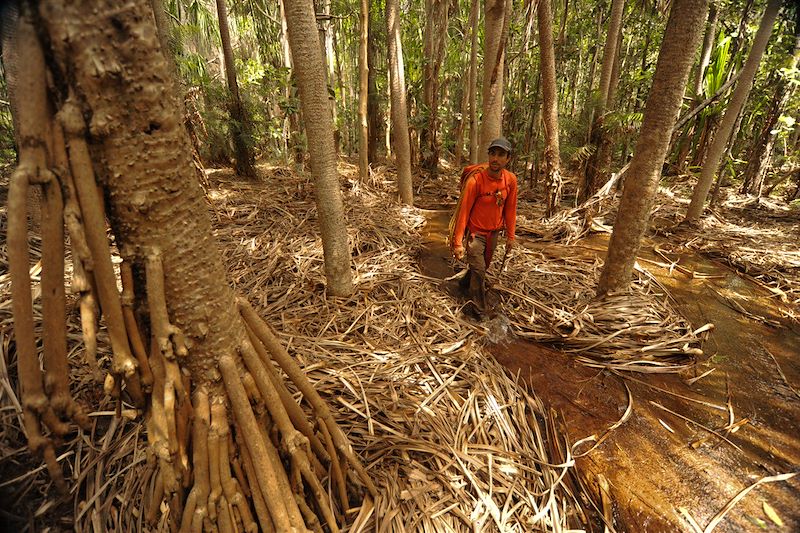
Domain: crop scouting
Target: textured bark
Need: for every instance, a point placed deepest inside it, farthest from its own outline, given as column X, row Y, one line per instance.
column 397, row 82
column 363, row 92
column 308, row 65
column 681, row 38
column 610, row 52
column 468, row 89
column 374, row 111
column 240, row 123
column 552, row 159
column 738, row 98
column 496, row 21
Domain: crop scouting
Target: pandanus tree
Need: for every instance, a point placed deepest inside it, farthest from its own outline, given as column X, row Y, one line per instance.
column 234, row 449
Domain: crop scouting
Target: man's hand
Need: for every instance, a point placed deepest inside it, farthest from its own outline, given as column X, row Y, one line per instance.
column 510, row 243
column 458, row 252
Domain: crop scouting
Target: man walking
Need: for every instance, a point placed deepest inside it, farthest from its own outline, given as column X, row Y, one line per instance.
column 488, row 205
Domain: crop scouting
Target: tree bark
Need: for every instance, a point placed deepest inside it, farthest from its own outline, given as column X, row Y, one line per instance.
column 552, row 159
column 240, row 123
column 435, row 40
column 473, row 84
column 374, row 111
column 308, row 66
column 705, row 56
column 738, row 98
column 610, row 53
column 363, row 93
column 681, row 38
column 496, row 21
column 397, row 82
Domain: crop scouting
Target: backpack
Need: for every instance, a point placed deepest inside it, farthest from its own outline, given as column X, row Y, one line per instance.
column 466, row 174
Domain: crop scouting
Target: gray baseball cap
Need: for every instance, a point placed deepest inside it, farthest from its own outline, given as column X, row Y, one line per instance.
column 500, row 142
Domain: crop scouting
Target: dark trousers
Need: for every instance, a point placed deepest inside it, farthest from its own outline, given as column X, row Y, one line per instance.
column 480, row 250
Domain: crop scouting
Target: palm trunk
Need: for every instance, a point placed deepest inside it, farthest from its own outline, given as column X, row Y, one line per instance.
column 473, row 84
column 397, row 82
column 363, row 93
column 681, row 37
column 497, row 17
column 309, row 68
column 240, row 123
column 735, row 105
column 705, row 56
column 552, row 160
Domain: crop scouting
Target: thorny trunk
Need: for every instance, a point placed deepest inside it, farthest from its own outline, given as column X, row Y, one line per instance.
column 497, row 14
column 309, row 68
column 240, row 122
column 397, row 82
column 204, row 344
column 681, row 38
column 738, row 98
column 552, row 159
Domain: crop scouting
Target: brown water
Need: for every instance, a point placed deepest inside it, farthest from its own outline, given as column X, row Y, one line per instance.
column 653, row 471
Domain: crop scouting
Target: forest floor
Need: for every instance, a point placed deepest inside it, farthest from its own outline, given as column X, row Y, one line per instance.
column 682, row 444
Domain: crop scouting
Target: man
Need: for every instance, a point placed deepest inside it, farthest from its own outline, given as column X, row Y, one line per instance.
column 488, row 205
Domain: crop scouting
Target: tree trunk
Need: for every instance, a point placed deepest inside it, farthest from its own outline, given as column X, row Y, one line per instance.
column 552, row 159
column 473, row 83
column 760, row 155
column 435, row 40
column 705, row 56
column 681, row 38
column 363, row 93
column 240, row 123
column 598, row 166
column 497, row 17
column 397, row 82
column 172, row 275
column 468, row 89
column 738, row 98
column 374, row 113
column 308, row 66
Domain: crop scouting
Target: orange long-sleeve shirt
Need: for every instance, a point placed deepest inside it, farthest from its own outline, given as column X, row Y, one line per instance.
column 480, row 213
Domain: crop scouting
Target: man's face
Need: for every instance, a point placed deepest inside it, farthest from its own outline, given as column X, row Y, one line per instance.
column 498, row 158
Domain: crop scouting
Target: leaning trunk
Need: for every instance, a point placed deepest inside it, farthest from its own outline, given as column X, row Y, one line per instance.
column 681, row 38
column 735, row 105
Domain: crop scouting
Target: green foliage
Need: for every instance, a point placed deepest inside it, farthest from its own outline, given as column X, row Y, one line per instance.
column 8, row 150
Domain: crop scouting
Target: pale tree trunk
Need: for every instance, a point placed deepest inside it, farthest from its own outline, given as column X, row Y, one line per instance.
column 610, row 53
column 738, row 98
column 552, row 159
column 397, row 82
column 240, row 122
column 363, row 93
column 473, row 83
column 497, row 14
column 681, row 38
column 179, row 336
column 374, row 112
column 309, row 68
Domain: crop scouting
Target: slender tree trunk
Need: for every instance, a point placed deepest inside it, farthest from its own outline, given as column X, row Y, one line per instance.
column 597, row 167
column 309, row 68
column 681, row 38
column 705, row 56
column 735, row 105
column 240, row 123
column 363, row 93
column 435, row 40
column 552, row 160
column 397, row 81
column 497, row 14
column 468, row 88
column 374, row 113
column 473, row 83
